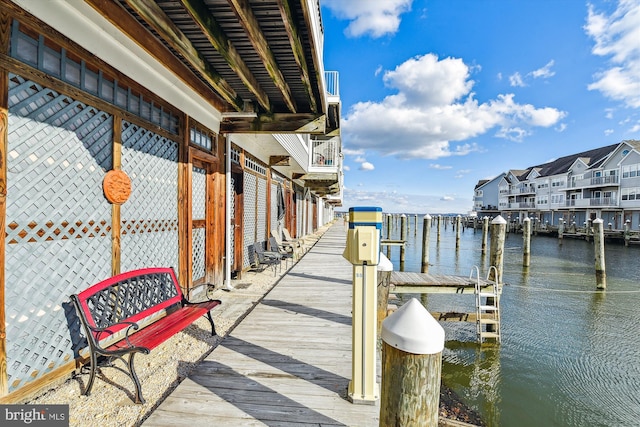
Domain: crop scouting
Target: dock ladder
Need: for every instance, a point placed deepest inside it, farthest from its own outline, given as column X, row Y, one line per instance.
column 487, row 305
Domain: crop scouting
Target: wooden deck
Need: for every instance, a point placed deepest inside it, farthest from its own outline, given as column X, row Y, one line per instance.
column 424, row 283
column 288, row 363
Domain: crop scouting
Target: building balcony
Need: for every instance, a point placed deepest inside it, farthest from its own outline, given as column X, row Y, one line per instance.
column 522, row 190
column 602, row 202
column 596, row 181
column 522, row 205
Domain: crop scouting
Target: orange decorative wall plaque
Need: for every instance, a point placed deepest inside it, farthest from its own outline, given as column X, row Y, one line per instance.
column 116, row 186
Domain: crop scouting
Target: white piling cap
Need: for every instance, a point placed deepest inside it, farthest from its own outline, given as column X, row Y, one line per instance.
column 384, row 264
column 598, row 221
column 413, row 329
column 427, row 216
column 499, row 220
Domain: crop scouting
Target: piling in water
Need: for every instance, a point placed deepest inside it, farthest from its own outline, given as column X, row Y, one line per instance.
column 458, row 226
column 598, row 243
column 403, row 236
column 526, row 246
column 426, row 234
column 485, row 233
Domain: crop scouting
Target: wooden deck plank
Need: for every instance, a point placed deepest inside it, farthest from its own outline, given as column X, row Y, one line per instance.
column 425, row 283
column 288, row 363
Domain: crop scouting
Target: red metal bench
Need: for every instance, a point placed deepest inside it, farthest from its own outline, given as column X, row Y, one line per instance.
column 109, row 312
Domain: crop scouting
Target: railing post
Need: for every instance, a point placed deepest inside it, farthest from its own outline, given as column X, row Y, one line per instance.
column 412, row 344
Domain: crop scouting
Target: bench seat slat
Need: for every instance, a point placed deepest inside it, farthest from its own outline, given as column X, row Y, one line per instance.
column 158, row 332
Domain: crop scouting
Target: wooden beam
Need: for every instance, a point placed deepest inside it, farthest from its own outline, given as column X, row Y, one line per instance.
column 202, row 16
column 251, row 26
column 156, row 18
column 5, row 28
column 298, row 50
column 120, row 18
column 276, row 123
column 279, row 160
column 115, row 208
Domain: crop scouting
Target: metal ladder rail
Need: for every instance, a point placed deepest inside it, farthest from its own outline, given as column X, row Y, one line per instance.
column 487, row 313
column 476, row 270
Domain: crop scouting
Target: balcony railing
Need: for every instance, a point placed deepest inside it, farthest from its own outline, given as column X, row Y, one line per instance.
column 324, row 154
column 595, row 181
column 333, row 84
column 522, row 205
column 600, row 202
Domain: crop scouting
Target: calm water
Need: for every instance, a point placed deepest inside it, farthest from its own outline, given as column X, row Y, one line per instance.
column 570, row 355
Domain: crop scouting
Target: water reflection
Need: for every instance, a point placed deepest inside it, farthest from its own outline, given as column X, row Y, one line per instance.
column 569, row 354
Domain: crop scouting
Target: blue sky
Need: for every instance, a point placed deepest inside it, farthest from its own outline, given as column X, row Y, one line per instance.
column 438, row 94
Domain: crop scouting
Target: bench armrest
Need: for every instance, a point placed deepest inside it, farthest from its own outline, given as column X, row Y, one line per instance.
column 132, row 327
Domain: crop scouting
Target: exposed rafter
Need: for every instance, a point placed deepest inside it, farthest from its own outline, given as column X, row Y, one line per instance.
column 298, row 50
column 158, row 20
column 250, row 24
column 276, row 123
column 210, row 27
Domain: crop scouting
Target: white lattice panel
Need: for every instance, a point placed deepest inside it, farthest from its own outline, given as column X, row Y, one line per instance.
column 273, row 209
column 198, row 211
column 198, row 193
column 58, row 224
column 198, row 238
column 232, row 201
column 249, row 216
column 261, row 223
column 150, row 217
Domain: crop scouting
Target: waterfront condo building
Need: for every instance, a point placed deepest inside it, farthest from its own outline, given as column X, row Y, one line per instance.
column 576, row 189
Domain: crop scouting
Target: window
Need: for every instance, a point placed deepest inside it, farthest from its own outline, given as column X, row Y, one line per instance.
column 630, row 171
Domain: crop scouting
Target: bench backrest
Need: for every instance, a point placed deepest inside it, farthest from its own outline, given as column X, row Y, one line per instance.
column 130, row 296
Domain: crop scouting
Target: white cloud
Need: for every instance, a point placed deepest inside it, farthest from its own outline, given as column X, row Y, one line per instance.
column 346, row 168
column 608, row 132
column 544, row 72
column 617, row 37
column 561, row 127
column 407, row 203
column 359, row 159
column 366, row 166
column 350, row 152
column 433, row 113
column 439, row 167
column 515, row 80
column 373, row 17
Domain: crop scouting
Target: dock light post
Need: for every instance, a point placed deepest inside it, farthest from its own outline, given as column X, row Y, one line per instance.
column 363, row 251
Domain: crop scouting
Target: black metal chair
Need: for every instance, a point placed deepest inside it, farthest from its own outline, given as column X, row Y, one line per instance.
column 286, row 252
column 265, row 259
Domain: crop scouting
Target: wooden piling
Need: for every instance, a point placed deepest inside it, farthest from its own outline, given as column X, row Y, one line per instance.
column 458, row 227
column 560, row 231
column 385, row 267
column 496, row 250
column 438, row 231
column 426, row 234
column 627, row 236
column 485, row 234
column 403, row 236
column 415, row 223
column 412, row 344
column 389, row 227
column 598, row 243
column 526, row 246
